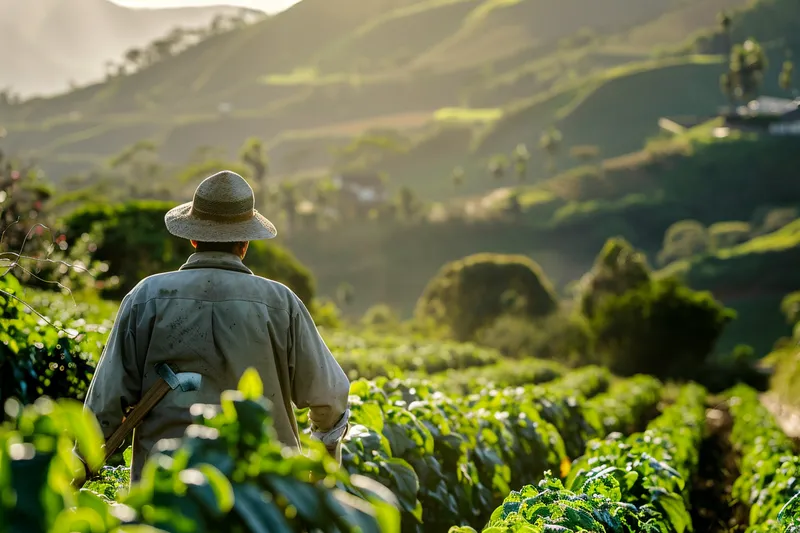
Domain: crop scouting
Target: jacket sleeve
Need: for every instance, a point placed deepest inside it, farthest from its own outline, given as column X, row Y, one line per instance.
column 117, row 381
column 318, row 381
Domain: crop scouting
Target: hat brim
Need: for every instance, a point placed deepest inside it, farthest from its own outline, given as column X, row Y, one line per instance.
column 181, row 223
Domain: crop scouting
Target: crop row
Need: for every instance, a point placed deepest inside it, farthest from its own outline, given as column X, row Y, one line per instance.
column 633, row 485
column 769, row 469
column 451, row 459
column 228, row 473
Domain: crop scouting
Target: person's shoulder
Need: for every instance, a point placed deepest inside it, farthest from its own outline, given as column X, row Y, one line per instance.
column 277, row 291
column 148, row 286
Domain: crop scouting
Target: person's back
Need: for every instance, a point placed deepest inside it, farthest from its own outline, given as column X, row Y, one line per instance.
column 215, row 318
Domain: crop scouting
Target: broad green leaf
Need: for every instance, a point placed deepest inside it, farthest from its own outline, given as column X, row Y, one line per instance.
column 250, row 384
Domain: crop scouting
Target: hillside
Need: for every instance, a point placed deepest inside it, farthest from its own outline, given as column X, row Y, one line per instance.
column 566, row 220
column 378, row 65
column 752, row 278
column 44, row 45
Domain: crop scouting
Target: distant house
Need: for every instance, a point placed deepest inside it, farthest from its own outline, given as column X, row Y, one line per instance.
column 360, row 191
column 766, row 114
column 774, row 116
column 367, row 188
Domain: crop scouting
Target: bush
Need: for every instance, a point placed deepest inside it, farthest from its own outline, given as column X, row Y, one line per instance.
column 683, row 239
column 561, row 337
column 727, row 234
column 661, row 328
column 471, row 293
column 133, row 240
column 380, row 317
column 617, row 269
column 36, row 359
column 227, row 473
column 723, row 371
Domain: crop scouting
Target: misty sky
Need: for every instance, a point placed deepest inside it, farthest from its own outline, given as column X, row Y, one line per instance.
column 271, row 6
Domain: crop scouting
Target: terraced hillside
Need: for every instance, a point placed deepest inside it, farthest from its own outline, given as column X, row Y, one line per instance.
column 377, row 65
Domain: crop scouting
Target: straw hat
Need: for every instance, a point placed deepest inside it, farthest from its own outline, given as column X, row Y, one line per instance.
column 222, row 211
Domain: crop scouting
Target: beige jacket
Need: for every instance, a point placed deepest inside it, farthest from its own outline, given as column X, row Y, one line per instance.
column 214, row 317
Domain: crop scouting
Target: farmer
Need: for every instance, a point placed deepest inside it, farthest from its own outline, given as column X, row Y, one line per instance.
column 215, row 318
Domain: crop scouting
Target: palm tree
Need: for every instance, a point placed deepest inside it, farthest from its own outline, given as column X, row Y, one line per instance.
column 550, row 142
column 725, row 24
column 746, row 70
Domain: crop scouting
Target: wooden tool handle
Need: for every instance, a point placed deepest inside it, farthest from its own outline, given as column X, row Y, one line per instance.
column 141, row 410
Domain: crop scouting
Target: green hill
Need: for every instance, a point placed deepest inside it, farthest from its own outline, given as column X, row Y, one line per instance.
column 366, row 64
column 565, row 221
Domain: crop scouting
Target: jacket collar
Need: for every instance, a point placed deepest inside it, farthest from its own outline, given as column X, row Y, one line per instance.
column 221, row 260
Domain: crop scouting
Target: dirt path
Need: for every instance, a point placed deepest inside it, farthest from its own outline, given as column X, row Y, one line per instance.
column 788, row 417
column 711, row 487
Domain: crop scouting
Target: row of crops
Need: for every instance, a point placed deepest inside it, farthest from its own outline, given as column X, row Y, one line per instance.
column 447, row 460
column 769, row 472
column 455, row 437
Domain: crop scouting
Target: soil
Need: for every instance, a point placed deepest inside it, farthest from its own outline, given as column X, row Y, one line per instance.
column 712, row 511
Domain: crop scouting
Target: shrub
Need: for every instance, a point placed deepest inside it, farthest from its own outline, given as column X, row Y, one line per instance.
column 727, row 234
column 617, row 269
column 561, row 337
column 723, row 371
column 471, row 293
column 683, row 239
column 380, row 316
column 36, row 359
column 661, row 328
column 133, row 240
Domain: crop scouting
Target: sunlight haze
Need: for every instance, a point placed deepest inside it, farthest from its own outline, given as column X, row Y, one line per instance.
column 270, row 6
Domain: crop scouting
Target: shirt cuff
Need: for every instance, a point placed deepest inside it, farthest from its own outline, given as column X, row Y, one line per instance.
column 334, row 435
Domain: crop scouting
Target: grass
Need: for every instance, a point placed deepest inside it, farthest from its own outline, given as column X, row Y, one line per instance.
column 463, row 115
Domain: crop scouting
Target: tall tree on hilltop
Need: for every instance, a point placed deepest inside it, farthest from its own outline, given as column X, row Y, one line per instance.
column 745, row 75
column 725, row 25
column 254, row 155
column 133, row 57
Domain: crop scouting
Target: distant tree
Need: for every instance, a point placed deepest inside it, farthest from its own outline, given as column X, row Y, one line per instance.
column 408, row 205
column 785, row 78
column 724, row 20
column 550, row 142
column 521, row 156
column 345, row 294
column 134, row 58
column 457, row 177
column 289, row 201
column 254, row 155
column 497, row 167
column 139, row 167
column 745, row 75
column 514, row 206
column 617, row 269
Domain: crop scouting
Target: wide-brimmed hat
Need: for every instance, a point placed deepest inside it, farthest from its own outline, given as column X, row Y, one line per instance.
column 223, row 210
